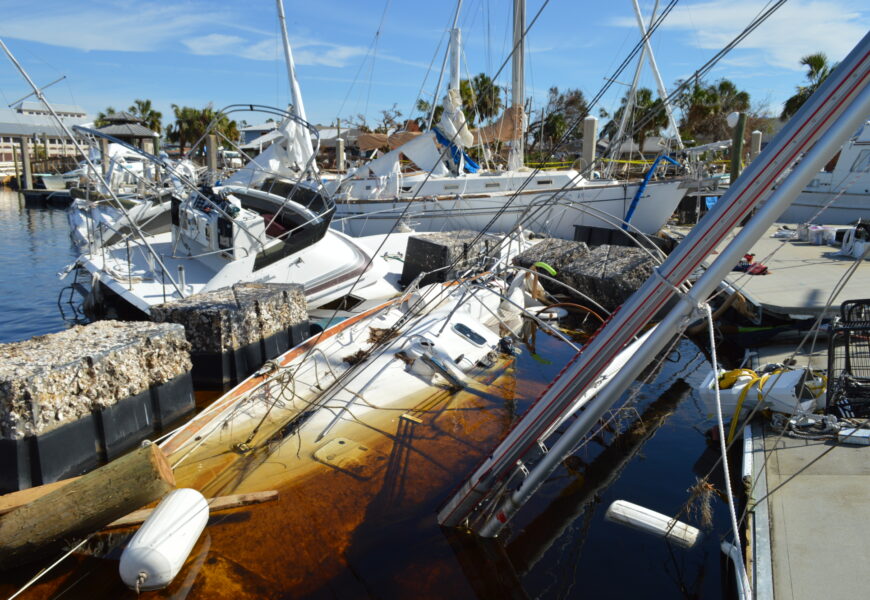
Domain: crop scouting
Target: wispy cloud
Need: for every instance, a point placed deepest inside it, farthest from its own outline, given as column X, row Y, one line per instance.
column 119, row 25
column 798, row 28
column 112, row 25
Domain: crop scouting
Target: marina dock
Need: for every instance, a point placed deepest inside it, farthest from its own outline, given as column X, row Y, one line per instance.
column 801, row 276
column 808, row 505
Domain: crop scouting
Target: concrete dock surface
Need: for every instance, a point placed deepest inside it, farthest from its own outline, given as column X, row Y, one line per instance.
column 810, row 500
column 801, row 276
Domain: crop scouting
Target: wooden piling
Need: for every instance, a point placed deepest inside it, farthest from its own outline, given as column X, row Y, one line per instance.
column 27, row 172
column 86, row 505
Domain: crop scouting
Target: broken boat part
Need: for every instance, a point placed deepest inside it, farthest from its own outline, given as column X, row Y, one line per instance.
column 650, row 521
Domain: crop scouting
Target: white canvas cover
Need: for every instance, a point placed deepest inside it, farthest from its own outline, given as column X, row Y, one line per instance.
column 453, row 124
column 421, row 150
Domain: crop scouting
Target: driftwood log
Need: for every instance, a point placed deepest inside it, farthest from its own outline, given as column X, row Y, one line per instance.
column 85, row 505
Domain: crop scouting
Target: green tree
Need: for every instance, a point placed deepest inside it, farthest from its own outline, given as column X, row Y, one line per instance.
column 424, row 108
column 100, row 121
column 562, row 110
column 818, row 70
column 152, row 119
column 192, row 123
column 705, row 108
column 643, row 107
column 481, row 98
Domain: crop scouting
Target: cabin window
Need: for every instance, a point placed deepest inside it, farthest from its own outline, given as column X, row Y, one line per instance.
column 862, row 163
column 469, row 334
column 451, row 186
column 545, row 182
column 492, row 185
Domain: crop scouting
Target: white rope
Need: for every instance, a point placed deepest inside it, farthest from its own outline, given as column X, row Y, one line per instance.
column 741, row 571
column 39, row 575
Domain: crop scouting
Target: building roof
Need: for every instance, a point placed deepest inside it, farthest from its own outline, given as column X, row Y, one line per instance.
column 263, row 127
column 30, row 105
column 263, row 141
column 121, row 117
column 122, row 130
column 15, row 123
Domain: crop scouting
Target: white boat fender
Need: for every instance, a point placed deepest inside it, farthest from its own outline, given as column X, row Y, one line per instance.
column 649, row 521
column 159, row 549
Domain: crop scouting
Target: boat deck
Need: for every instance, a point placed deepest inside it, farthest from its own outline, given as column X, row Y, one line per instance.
column 811, row 536
column 801, row 276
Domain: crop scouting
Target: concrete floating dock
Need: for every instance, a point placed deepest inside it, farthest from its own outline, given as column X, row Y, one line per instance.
column 72, row 400
column 432, row 251
column 801, row 277
column 608, row 273
column 811, row 536
column 47, row 198
column 233, row 331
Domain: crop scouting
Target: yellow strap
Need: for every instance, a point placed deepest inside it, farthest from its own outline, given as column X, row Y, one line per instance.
column 740, row 400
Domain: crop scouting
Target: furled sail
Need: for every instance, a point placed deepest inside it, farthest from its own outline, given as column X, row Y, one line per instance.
column 509, row 126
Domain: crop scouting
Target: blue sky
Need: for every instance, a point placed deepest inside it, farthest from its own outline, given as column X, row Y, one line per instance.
column 193, row 52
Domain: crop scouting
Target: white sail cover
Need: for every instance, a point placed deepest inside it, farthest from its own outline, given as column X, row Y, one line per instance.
column 287, row 156
column 421, row 150
column 453, row 124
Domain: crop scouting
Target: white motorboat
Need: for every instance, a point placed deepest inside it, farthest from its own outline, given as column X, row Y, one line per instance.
column 840, row 193
column 133, row 192
column 236, row 234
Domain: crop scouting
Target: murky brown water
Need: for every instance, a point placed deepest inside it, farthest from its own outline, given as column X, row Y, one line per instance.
column 371, row 532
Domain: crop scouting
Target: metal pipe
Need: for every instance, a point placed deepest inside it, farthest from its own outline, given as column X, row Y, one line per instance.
column 663, row 93
column 628, row 108
column 796, row 181
column 515, row 158
column 443, row 66
column 847, row 83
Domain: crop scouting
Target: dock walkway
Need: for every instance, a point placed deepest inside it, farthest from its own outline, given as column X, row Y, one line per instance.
column 811, row 536
column 801, row 276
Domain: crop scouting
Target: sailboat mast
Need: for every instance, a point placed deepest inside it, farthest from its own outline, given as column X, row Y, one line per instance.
column 444, row 65
column 663, row 93
column 455, row 51
column 295, row 93
column 629, row 104
column 515, row 159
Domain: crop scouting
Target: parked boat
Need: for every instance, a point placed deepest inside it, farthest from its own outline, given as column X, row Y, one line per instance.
column 443, row 189
column 134, row 191
column 839, row 194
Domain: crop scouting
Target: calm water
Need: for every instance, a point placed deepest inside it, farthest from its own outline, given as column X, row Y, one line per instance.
column 34, row 246
column 560, row 546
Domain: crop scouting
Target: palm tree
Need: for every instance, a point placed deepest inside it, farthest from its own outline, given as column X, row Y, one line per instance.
column 818, row 70
column 192, row 123
column 182, row 132
column 100, row 121
column 644, row 108
column 150, row 117
column 706, row 107
column 481, row 98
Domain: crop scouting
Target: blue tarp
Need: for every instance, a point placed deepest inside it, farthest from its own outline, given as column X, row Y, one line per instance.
column 456, row 152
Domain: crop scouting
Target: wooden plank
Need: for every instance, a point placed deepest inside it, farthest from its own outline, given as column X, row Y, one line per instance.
column 214, row 504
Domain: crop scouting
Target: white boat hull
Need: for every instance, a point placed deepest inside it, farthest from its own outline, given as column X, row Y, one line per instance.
column 845, row 209
column 593, row 205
